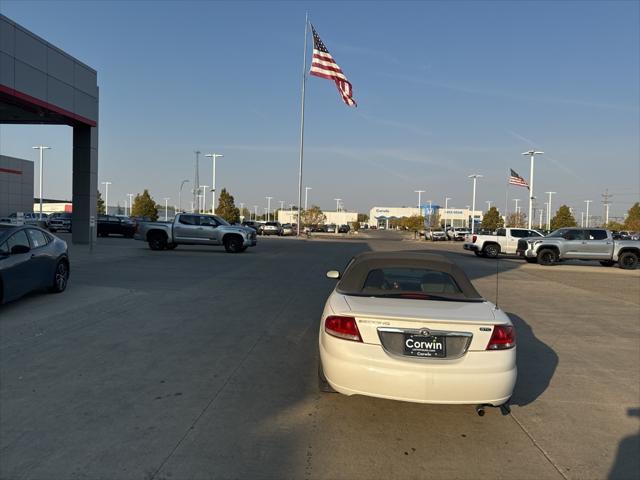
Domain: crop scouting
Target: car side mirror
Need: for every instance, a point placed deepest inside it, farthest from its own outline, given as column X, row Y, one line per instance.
column 333, row 274
column 18, row 249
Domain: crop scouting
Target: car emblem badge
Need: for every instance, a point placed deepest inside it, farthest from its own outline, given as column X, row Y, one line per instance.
column 425, row 332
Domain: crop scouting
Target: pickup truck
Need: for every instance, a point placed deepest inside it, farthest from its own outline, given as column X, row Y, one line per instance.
column 196, row 229
column 580, row 244
column 504, row 241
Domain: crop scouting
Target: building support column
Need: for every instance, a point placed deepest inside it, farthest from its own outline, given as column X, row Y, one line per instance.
column 85, row 181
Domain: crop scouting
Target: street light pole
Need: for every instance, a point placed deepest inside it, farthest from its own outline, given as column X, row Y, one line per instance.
column 419, row 192
column 180, row 193
column 41, row 148
column 268, row 208
column 241, row 209
column 106, row 197
column 255, row 213
column 549, row 210
column 587, row 214
column 446, row 206
column 532, row 154
column 473, row 207
column 196, row 180
column 204, row 198
column 166, row 206
column 130, row 195
column 306, row 196
column 213, row 156
column 489, row 202
column 337, row 204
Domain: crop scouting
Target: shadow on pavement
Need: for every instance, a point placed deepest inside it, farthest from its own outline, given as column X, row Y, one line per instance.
column 537, row 363
column 627, row 462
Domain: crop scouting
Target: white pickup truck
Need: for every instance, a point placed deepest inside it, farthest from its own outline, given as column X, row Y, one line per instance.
column 504, row 241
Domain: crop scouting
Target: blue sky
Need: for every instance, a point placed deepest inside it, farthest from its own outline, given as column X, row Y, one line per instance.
column 444, row 89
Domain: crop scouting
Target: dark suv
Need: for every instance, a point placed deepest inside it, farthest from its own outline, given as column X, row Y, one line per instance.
column 110, row 225
column 60, row 221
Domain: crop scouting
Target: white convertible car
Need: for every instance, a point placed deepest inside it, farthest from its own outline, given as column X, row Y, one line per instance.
column 411, row 326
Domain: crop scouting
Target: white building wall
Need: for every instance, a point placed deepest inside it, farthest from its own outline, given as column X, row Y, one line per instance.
column 337, row 218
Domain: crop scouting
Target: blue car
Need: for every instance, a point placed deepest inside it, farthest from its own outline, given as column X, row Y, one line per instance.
column 31, row 259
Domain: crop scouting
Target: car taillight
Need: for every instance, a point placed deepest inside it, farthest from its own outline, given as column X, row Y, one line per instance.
column 474, row 238
column 502, row 338
column 342, row 327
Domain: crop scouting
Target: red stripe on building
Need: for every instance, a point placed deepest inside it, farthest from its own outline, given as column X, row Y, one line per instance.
column 49, row 106
column 10, row 170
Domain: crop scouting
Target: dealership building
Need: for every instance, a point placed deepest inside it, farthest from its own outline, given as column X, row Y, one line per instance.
column 41, row 84
column 331, row 218
column 16, row 185
column 380, row 217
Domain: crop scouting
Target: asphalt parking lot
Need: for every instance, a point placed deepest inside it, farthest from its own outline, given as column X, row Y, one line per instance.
column 198, row 364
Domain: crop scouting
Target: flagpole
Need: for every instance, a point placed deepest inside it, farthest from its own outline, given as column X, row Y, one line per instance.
column 506, row 202
column 304, row 81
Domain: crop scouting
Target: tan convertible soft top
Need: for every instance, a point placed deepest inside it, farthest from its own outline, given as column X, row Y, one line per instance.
column 355, row 275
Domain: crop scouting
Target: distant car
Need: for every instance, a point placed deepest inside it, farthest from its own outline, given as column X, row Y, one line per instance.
column 438, row 236
column 412, row 327
column 60, row 221
column 31, row 259
column 272, row 228
column 112, row 225
column 288, row 229
column 344, row 229
column 331, row 228
column 257, row 226
column 30, row 218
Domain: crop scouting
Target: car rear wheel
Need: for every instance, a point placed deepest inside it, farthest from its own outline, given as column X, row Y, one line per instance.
column 233, row 244
column 157, row 241
column 492, row 250
column 547, row 257
column 60, row 277
column 628, row 260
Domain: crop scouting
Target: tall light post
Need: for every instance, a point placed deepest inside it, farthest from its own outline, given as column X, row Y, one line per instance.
column 419, row 192
column 337, row 204
column 130, row 195
column 180, row 193
column 241, row 209
column 516, row 200
column 540, row 221
column 446, row 206
column 268, row 208
column 255, row 212
column 166, row 207
column 204, row 197
column 587, row 214
column 488, row 202
column 41, row 148
column 532, row 155
column 546, row 207
column 196, row 180
column 582, row 219
column 213, row 157
column 106, row 197
column 473, row 203
column 306, row 196
column 549, row 210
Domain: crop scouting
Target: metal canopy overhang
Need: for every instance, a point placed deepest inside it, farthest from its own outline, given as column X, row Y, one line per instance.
column 19, row 108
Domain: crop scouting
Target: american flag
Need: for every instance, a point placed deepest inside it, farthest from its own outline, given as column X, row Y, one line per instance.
column 515, row 179
column 323, row 65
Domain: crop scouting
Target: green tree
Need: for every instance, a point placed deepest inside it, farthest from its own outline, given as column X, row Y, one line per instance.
column 415, row 223
column 563, row 218
column 100, row 204
column 492, row 220
column 632, row 222
column 613, row 225
column 363, row 218
column 313, row 216
column 144, row 206
column 516, row 220
column 227, row 208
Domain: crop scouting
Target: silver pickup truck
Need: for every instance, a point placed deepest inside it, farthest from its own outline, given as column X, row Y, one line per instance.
column 196, row 229
column 580, row 244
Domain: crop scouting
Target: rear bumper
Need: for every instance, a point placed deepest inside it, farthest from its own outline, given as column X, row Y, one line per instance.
column 471, row 246
column 479, row 377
